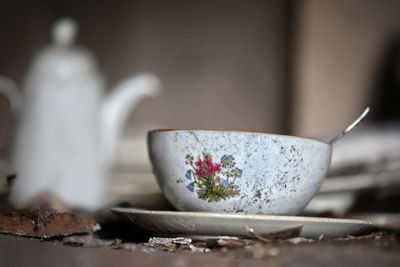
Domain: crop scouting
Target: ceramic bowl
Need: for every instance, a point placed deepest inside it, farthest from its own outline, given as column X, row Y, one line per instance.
column 237, row 172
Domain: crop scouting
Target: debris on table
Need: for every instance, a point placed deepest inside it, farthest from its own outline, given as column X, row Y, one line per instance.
column 173, row 244
column 168, row 244
column 226, row 243
column 199, row 249
column 44, row 223
column 286, row 233
column 260, row 251
column 298, row 240
column 90, row 241
column 162, row 241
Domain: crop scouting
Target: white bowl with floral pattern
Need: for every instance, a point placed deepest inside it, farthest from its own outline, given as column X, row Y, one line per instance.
column 237, row 172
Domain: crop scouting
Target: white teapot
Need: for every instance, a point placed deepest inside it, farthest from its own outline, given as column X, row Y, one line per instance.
column 67, row 133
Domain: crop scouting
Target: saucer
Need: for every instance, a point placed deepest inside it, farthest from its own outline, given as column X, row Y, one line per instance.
column 179, row 223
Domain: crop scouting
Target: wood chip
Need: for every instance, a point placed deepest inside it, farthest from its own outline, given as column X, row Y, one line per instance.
column 44, row 223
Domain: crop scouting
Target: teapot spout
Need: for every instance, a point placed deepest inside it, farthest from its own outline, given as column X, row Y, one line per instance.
column 118, row 105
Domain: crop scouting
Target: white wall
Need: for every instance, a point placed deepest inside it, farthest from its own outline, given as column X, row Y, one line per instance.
column 338, row 44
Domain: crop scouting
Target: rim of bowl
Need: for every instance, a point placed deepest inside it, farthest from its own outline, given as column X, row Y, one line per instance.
column 237, row 131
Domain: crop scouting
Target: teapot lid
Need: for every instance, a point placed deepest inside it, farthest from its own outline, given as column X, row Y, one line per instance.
column 64, row 32
column 63, row 59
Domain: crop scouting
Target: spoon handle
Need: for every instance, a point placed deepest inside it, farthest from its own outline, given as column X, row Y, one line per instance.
column 350, row 127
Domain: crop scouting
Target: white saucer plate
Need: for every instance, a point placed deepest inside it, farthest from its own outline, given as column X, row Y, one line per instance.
column 178, row 223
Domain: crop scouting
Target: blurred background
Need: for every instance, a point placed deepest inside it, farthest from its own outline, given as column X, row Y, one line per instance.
column 299, row 67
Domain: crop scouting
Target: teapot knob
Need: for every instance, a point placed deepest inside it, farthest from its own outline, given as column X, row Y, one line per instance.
column 64, row 32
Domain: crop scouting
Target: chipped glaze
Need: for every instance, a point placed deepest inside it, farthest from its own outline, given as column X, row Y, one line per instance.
column 278, row 174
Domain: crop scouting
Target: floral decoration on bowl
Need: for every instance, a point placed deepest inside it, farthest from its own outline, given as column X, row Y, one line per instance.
column 210, row 180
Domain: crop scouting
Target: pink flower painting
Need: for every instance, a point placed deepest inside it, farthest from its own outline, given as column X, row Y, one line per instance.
column 212, row 181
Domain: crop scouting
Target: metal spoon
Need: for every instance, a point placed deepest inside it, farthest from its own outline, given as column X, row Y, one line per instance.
column 350, row 127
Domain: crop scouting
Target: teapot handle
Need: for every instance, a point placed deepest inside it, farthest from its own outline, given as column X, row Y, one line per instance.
column 9, row 89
